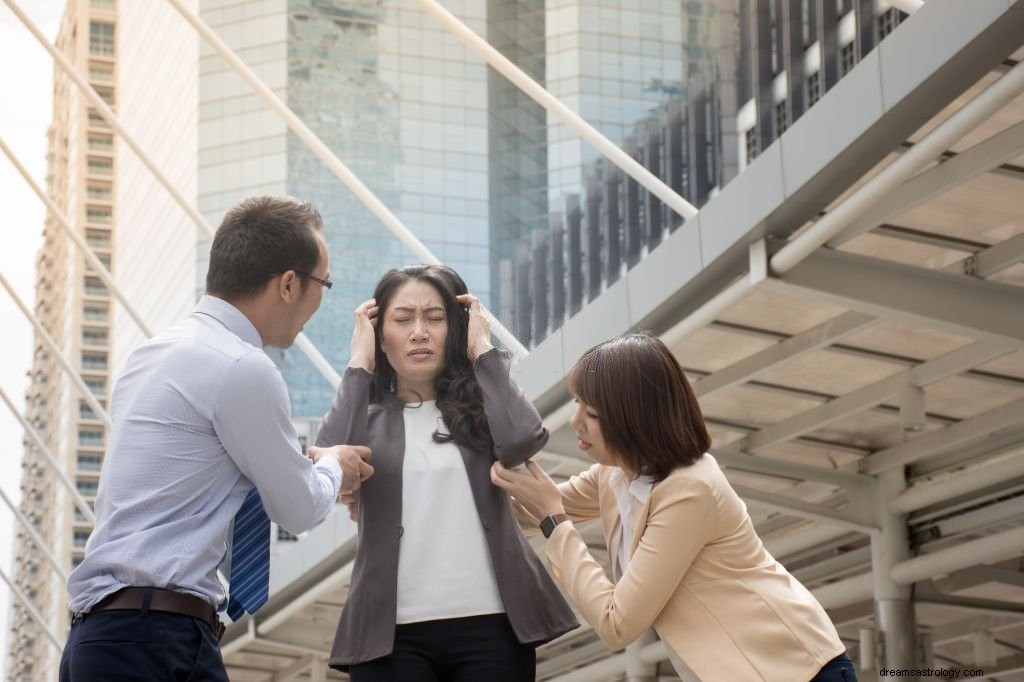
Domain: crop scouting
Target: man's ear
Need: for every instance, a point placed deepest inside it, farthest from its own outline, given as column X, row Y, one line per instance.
column 289, row 286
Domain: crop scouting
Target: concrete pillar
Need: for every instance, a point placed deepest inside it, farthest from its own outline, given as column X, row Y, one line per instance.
column 894, row 611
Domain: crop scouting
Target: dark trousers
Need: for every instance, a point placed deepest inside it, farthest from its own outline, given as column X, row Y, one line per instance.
column 453, row 650
column 839, row 669
column 130, row 645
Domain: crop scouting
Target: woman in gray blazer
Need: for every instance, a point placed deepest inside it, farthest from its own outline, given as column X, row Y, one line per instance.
column 445, row 586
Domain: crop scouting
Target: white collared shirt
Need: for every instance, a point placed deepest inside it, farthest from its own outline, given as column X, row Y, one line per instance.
column 630, row 497
column 445, row 568
column 200, row 414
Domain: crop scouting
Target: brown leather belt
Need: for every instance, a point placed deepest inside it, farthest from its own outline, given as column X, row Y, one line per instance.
column 165, row 601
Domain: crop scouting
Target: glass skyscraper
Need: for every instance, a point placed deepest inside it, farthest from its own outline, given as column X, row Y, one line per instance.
column 401, row 102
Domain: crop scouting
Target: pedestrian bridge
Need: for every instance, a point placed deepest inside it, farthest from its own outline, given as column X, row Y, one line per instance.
column 850, row 309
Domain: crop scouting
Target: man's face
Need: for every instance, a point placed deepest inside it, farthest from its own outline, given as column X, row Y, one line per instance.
column 311, row 294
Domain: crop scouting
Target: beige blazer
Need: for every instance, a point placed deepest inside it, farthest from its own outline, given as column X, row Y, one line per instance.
column 698, row 574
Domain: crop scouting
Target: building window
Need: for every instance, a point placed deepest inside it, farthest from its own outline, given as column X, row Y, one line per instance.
column 88, row 463
column 90, row 438
column 101, row 72
column 847, row 58
column 813, row 88
column 101, row 143
column 103, row 4
column 750, row 138
column 87, row 488
column 98, row 215
column 96, row 312
column 106, row 94
column 101, row 38
column 97, row 166
column 94, row 361
column 97, row 386
column 99, row 192
column 95, row 287
column 96, row 121
column 81, row 537
column 94, row 337
column 781, row 118
column 888, row 21
column 285, row 536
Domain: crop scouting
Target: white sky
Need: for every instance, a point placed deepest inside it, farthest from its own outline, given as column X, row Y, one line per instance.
column 26, row 78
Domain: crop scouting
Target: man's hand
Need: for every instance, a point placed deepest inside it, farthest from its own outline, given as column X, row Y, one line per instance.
column 354, row 461
column 349, row 500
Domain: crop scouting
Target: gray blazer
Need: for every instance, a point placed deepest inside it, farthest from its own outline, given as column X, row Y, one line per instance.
column 533, row 602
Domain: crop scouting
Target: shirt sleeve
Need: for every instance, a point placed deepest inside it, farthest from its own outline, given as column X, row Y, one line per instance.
column 679, row 526
column 346, row 423
column 252, row 418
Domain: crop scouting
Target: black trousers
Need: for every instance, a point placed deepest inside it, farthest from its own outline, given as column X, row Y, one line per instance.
column 453, row 650
column 130, row 645
column 839, row 669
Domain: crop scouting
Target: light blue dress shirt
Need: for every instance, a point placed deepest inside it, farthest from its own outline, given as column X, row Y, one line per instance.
column 200, row 414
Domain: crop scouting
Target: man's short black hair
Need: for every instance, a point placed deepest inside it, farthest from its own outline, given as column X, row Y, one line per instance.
column 261, row 237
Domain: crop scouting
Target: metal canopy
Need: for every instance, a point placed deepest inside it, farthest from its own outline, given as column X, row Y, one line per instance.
column 808, row 383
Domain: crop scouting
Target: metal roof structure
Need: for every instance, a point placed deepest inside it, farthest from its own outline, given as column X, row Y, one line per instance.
column 851, row 312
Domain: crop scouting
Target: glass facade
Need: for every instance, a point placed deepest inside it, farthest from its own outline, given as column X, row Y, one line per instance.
column 404, row 106
column 534, row 218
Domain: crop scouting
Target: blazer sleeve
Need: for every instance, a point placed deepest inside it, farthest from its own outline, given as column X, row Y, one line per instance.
column 515, row 424
column 580, row 495
column 681, row 521
column 346, row 422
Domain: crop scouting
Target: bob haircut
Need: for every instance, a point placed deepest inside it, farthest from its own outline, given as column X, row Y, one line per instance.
column 649, row 415
column 458, row 396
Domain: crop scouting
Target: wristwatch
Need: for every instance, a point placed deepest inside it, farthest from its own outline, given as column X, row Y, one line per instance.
column 547, row 526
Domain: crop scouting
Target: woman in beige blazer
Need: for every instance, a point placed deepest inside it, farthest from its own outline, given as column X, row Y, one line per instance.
column 684, row 554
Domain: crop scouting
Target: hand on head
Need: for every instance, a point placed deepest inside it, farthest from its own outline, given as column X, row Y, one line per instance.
column 479, row 335
column 364, row 343
column 533, row 490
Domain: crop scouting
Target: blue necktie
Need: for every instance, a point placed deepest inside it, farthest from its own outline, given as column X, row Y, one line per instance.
column 250, row 558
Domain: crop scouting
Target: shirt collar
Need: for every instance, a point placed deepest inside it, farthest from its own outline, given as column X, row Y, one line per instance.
column 231, row 317
column 640, row 487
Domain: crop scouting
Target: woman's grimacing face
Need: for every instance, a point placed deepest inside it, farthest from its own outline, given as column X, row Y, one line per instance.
column 589, row 438
column 413, row 335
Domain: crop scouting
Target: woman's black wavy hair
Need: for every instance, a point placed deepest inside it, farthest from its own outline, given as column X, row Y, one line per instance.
column 458, row 396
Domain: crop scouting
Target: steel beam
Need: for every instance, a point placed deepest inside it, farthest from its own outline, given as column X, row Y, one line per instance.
column 783, row 352
column 767, row 466
column 945, row 439
column 965, row 306
column 992, row 260
column 853, row 517
column 952, row 172
column 928, row 372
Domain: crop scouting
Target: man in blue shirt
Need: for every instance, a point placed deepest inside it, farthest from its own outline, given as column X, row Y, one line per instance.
column 201, row 415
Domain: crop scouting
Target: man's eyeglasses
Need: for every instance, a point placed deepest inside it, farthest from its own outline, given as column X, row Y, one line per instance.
column 327, row 284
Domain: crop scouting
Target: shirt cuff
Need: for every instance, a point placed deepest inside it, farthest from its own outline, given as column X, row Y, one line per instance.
column 329, row 467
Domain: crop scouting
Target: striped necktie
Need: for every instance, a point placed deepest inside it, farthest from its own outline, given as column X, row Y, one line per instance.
column 250, row 558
